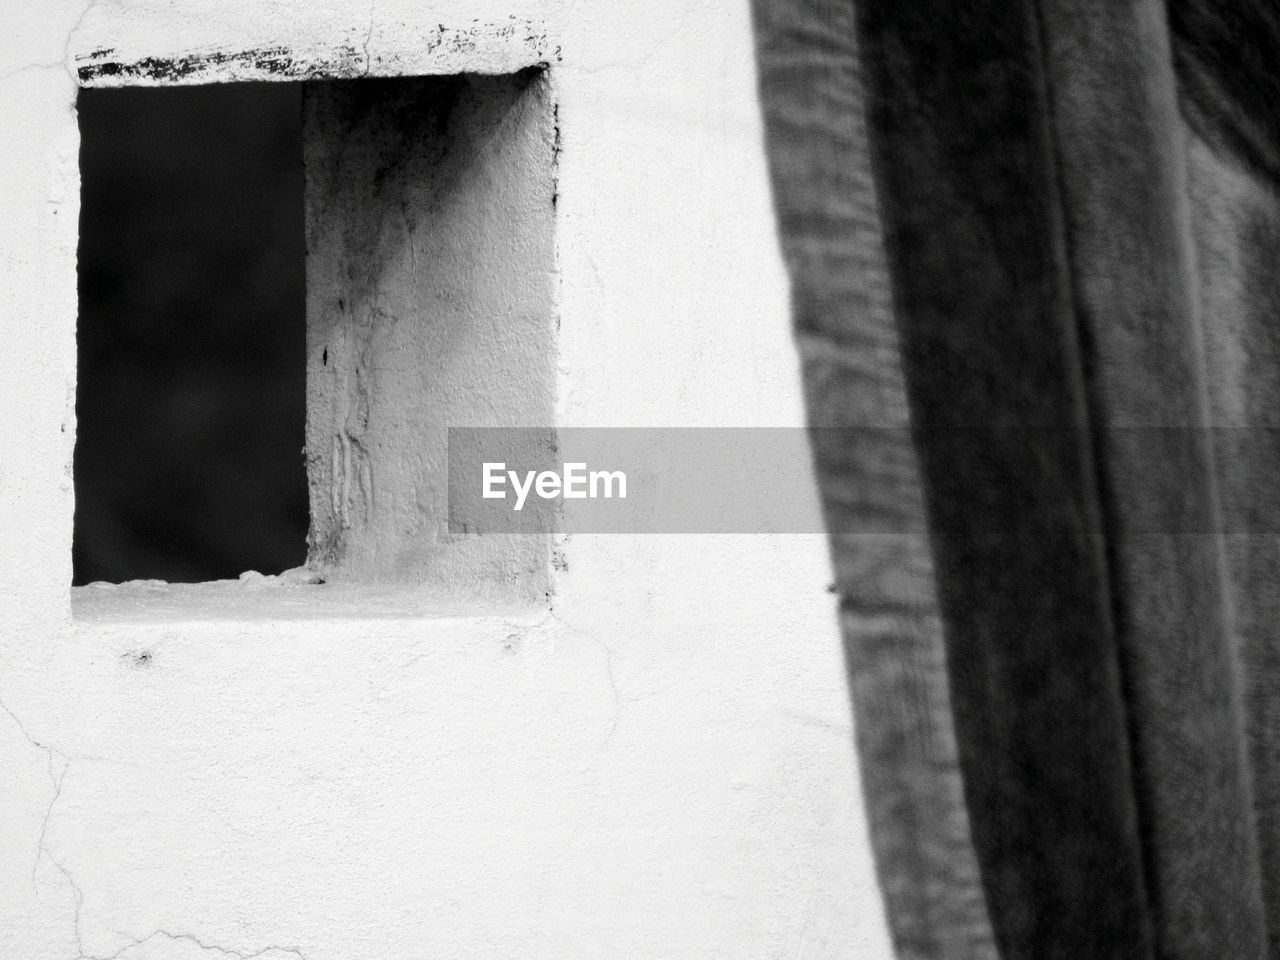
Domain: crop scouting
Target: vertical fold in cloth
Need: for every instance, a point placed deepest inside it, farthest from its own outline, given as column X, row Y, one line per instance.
column 1227, row 60
column 1122, row 155
column 850, row 351
column 1004, row 259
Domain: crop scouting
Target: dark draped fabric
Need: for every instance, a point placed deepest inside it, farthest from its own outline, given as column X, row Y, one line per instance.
column 1039, row 242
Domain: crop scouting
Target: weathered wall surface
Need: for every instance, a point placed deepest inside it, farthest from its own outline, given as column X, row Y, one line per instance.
column 655, row 764
column 430, row 304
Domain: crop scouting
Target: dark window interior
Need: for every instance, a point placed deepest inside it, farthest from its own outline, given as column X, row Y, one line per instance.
column 191, row 383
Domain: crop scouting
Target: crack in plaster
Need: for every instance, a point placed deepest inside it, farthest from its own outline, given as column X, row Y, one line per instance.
column 41, row 849
column 802, row 942
column 58, row 765
column 368, row 60
column 77, row 895
column 613, row 689
column 67, row 62
column 657, row 46
column 608, row 666
column 198, row 943
column 56, row 779
column 68, row 58
column 32, row 66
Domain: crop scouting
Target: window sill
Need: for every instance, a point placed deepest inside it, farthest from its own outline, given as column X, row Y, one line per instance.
column 257, row 598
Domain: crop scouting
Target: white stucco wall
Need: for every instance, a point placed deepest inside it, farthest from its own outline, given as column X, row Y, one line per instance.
column 657, row 765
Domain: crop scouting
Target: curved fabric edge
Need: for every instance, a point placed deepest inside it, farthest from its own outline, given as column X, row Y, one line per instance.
column 811, row 95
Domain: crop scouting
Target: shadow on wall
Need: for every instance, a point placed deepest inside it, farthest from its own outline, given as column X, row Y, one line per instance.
column 191, row 381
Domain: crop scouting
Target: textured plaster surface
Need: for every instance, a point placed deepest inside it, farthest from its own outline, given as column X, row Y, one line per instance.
column 430, row 302
column 657, row 763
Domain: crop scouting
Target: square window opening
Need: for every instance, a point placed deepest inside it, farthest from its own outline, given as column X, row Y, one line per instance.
column 288, row 293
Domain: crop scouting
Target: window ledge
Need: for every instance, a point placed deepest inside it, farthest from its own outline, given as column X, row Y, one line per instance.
column 255, row 597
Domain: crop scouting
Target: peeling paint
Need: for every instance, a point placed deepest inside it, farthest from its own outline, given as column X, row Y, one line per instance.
column 398, row 49
column 265, row 63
